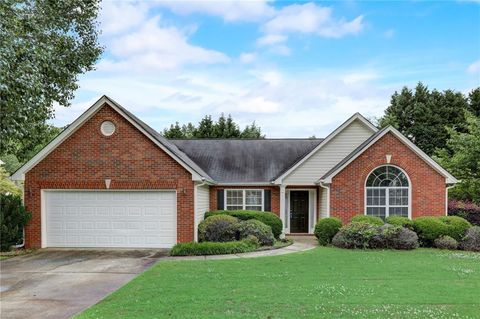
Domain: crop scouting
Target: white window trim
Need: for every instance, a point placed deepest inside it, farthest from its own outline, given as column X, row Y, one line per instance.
column 387, row 213
column 244, row 198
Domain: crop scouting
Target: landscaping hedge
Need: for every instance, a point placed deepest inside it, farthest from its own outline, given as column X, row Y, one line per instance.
column 326, row 228
column 400, row 221
column 430, row 228
column 471, row 240
column 372, row 220
column 446, row 242
column 365, row 235
column 267, row 218
column 220, row 228
column 256, row 228
column 213, row 248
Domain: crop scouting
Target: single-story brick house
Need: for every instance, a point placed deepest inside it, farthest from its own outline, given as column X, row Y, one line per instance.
column 109, row 180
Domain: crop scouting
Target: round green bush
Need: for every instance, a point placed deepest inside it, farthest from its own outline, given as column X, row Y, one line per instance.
column 372, row 220
column 253, row 227
column 355, row 235
column 471, row 240
column 456, row 226
column 430, row 228
column 326, row 228
column 446, row 242
column 267, row 218
column 400, row 221
column 220, row 228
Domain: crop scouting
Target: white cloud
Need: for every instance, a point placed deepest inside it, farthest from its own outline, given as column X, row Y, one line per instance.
column 474, row 67
column 313, row 19
column 283, row 104
column 153, row 47
column 358, row 77
column 116, row 17
column 270, row 39
column 248, row 57
column 230, row 11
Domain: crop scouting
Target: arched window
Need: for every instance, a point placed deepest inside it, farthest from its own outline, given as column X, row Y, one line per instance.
column 387, row 192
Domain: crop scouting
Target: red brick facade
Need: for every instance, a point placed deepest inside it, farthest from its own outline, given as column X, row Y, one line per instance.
column 130, row 159
column 427, row 185
column 275, row 195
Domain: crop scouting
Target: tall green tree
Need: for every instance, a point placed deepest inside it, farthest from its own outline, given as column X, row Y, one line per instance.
column 474, row 102
column 424, row 116
column 224, row 127
column 44, row 46
column 461, row 157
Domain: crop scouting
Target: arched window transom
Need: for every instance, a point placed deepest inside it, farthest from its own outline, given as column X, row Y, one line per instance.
column 387, row 192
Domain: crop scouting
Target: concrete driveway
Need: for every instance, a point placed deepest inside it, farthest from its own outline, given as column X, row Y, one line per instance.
column 61, row 283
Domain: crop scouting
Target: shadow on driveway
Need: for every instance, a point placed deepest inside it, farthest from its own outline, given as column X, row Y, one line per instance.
column 60, row 283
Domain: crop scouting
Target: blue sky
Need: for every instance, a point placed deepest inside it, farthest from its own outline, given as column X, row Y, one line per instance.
column 296, row 68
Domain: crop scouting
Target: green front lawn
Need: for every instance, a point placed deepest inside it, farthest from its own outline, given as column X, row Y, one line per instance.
column 320, row 283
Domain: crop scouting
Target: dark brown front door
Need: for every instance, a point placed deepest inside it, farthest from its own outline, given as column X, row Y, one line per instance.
column 298, row 211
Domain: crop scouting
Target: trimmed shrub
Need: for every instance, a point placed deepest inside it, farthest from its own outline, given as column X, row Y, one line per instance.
column 267, row 218
column 468, row 210
column 456, row 226
column 400, row 221
column 471, row 241
column 326, row 228
column 372, row 220
column 256, row 228
column 13, row 217
column 221, row 228
column 430, row 228
column 394, row 237
column 355, row 235
column 213, row 248
column 446, row 242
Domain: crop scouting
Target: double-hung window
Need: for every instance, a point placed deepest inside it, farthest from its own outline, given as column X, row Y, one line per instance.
column 247, row 199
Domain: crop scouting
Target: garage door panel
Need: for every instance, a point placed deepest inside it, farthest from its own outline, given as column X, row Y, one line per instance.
column 110, row 218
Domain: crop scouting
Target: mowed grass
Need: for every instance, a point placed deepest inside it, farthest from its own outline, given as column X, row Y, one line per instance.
column 320, row 283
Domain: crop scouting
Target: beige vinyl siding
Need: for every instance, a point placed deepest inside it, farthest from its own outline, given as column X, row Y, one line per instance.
column 323, row 202
column 329, row 155
column 202, row 204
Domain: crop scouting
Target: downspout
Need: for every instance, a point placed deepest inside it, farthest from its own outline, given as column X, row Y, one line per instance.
column 446, row 198
column 23, row 229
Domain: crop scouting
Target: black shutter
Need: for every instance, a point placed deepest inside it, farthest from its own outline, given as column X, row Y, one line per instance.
column 220, row 199
column 267, row 196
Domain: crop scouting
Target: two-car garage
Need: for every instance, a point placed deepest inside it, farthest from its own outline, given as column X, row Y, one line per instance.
column 104, row 218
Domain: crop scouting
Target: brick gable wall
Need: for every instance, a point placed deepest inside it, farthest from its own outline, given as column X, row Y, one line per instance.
column 129, row 158
column 348, row 186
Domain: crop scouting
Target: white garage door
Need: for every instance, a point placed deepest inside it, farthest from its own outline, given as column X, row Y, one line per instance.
column 135, row 219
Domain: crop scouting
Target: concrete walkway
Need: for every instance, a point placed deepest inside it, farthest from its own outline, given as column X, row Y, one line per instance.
column 300, row 243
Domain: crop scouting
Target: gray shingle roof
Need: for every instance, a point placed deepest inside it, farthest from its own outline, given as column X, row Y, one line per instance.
column 353, row 153
column 245, row 160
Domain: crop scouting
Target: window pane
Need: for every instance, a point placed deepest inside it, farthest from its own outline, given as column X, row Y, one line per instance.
column 253, row 197
column 398, row 197
column 235, row 197
column 398, row 211
column 376, row 211
column 234, row 207
column 259, row 208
